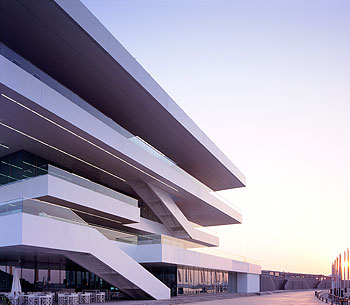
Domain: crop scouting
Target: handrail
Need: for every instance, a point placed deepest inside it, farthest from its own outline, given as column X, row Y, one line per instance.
column 84, row 182
column 58, row 212
column 49, row 169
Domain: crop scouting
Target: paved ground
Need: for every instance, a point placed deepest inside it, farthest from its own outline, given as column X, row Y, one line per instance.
column 287, row 298
column 279, row 298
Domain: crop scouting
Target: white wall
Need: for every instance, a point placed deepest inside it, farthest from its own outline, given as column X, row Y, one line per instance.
column 10, row 230
column 164, row 253
column 247, row 282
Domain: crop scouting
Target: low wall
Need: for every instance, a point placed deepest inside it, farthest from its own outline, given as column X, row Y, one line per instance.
column 274, row 280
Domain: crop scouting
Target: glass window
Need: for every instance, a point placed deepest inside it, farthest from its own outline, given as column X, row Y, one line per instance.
column 28, row 275
column 5, row 170
column 179, row 275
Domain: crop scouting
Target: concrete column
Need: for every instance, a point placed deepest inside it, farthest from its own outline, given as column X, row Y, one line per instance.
column 232, row 282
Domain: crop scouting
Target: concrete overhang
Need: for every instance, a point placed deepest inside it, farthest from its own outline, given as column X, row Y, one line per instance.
column 55, row 190
column 168, row 254
column 46, row 120
column 65, row 40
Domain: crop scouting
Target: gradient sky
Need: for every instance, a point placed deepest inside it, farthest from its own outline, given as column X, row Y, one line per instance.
column 268, row 81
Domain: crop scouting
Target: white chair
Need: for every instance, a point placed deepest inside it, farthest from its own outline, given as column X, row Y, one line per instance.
column 73, row 299
column 61, row 299
column 23, row 299
column 100, row 297
column 45, row 300
column 84, row 298
column 33, row 299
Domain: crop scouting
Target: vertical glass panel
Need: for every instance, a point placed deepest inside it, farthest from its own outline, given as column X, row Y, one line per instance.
column 78, row 280
column 195, row 277
column 21, row 165
column 28, row 275
column 28, row 165
column 180, row 278
column 42, row 276
column 5, row 170
column 55, row 276
column 63, row 276
column 41, row 166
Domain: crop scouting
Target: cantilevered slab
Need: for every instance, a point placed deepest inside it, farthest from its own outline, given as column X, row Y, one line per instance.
column 53, row 189
column 85, row 57
column 44, row 122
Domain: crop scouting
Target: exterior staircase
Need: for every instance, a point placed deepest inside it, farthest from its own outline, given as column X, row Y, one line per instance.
column 163, row 205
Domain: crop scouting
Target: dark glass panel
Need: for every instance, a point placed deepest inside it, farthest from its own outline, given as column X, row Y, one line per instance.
column 28, row 165
column 41, row 168
column 5, row 170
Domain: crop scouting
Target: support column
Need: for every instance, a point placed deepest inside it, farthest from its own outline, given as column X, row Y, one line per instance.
column 232, row 282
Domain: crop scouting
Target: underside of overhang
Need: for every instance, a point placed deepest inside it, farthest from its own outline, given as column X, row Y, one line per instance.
column 45, row 34
column 22, row 129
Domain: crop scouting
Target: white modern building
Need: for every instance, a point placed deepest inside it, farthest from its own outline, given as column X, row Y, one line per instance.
column 105, row 183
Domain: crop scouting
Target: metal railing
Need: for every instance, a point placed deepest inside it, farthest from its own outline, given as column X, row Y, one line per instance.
column 57, row 212
column 228, row 255
column 81, row 181
column 40, row 208
column 49, row 169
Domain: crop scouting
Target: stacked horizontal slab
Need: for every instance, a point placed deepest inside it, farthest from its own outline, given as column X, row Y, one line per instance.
column 126, row 180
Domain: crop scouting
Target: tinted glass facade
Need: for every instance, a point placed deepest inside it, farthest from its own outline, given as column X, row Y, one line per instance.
column 193, row 280
column 190, row 280
column 43, row 278
column 166, row 274
column 21, row 165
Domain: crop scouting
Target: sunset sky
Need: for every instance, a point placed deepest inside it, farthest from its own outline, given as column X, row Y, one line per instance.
column 269, row 82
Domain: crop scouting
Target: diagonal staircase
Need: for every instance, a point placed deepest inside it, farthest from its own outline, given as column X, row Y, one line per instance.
column 41, row 227
column 161, row 203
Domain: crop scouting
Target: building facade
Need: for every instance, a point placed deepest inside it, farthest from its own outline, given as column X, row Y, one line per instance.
column 105, row 183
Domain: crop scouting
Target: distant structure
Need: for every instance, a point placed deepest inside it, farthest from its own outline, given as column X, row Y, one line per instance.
column 277, row 280
column 105, row 182
column 340, row 286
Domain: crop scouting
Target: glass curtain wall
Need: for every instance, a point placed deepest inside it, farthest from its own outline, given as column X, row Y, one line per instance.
column 21, row 165
column 44, row 278
column 190, row 280
column 166, row 274
column 193, row 280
